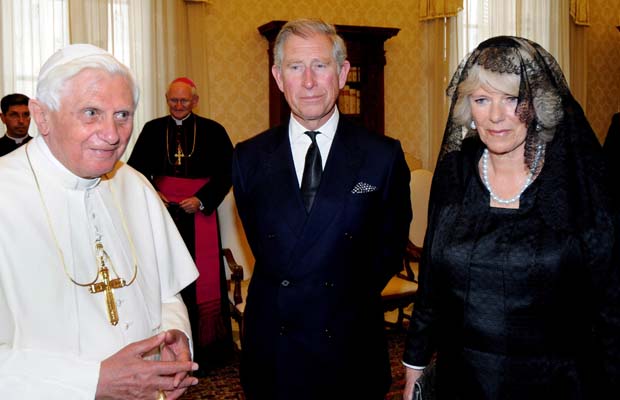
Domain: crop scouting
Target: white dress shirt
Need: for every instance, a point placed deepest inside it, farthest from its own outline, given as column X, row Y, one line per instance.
column 300, row 142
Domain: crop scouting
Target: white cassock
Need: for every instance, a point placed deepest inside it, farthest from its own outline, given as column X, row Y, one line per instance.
column 53, row 333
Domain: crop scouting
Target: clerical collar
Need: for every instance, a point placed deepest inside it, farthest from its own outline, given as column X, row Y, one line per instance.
column 15, row 139
column 66, row 177
column 179, row 122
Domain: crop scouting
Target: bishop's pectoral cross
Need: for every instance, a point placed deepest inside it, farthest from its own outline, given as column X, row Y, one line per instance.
column 179, row 154
column 106, row 286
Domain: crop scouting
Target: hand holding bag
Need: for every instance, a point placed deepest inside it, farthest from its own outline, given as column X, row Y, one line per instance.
column 424, row 388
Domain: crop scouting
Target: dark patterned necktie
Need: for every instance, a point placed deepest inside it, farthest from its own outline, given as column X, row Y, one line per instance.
column 313, row 168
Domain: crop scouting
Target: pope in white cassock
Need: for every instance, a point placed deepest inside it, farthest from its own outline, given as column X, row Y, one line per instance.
column 90, row 262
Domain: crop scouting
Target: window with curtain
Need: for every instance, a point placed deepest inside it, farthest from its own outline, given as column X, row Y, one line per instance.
column 543, row 21
column 31, row 31
column 118, row 31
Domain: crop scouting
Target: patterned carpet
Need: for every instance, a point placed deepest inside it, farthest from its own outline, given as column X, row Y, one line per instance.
column 222, row 383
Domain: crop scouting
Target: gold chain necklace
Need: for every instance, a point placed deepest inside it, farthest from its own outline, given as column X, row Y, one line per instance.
column 106, row 285
column 179, row 154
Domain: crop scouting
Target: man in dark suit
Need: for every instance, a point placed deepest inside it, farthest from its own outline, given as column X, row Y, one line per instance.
column 16, row 116
column 188, row 159
column 327, row 216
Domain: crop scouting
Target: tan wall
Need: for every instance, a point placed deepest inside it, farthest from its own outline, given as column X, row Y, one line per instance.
column 237, row 66
column 603, row 64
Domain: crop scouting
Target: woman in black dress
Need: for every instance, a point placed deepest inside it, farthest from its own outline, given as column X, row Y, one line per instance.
column 519, row 294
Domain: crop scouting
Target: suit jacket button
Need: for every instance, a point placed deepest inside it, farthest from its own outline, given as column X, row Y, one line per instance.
column 285, row 283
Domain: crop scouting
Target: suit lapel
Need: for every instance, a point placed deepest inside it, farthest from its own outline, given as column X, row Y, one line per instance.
column 339, row 176
column 282, row 180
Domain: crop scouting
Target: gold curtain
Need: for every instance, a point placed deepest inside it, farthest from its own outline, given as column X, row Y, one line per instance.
column 579, row 64
column 431, row 9
column 197, row 55
column 439, row 33
column 95, row 30
column 438, row 29
column 580, row 11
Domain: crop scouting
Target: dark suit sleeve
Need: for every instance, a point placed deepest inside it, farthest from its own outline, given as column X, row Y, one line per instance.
column 612, row 140
column 611, row 151
column 604, row 273
column 238, row 182
column 241, row 195
column 396, row 215
column 419, row 345
column 611, row 146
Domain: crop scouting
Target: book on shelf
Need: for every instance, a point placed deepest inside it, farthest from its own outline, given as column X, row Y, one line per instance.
column 349, row 100
column 354, row 74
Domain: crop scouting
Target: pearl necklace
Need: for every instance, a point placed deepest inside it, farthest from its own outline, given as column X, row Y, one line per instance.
column 487, row 184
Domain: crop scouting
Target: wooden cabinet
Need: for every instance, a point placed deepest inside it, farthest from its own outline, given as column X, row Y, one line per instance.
column 362, row 97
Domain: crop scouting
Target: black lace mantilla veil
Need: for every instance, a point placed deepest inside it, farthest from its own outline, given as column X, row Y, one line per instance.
column 572, row 187
column 569, row 193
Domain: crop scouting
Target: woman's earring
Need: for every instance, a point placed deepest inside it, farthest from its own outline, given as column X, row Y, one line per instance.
column 472, row 125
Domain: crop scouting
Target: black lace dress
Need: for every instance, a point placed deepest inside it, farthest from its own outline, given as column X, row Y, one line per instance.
column 521, row 303
column 512, row 290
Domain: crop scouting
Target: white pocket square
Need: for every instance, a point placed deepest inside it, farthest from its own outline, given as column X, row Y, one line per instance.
column 363, row 187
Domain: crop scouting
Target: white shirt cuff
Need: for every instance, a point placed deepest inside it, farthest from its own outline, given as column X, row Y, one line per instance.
column 419, row 368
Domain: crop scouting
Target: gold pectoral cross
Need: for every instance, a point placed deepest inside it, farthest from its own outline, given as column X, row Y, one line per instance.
column 179, row 154
column 106, row 286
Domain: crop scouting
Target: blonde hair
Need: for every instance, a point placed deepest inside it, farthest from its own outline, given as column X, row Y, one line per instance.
column 479, row 77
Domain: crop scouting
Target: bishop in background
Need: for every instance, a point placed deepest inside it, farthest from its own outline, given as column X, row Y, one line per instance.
column 188, row 160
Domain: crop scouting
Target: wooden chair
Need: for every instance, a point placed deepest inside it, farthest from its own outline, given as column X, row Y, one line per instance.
column 237, row 258
column 401, row 290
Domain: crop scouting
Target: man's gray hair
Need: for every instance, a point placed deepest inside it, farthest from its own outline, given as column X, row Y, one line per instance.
column 305, row 28
column 70, row 61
